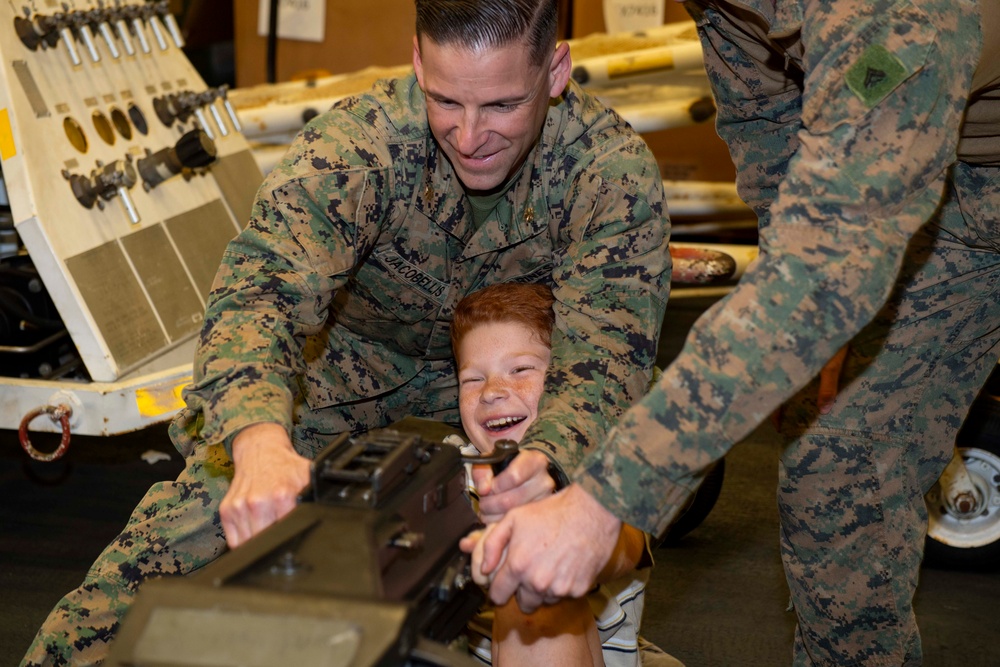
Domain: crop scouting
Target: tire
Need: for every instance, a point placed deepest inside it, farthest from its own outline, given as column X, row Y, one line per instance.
column 699, row 506
column 970, row 542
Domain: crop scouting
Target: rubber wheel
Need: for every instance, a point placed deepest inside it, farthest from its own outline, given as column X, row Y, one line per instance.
column 970, row 543
column 699, row 506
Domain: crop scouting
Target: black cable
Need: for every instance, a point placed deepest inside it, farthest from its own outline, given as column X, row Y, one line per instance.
column 272, row 42
column 12, row 303
column 567, row 11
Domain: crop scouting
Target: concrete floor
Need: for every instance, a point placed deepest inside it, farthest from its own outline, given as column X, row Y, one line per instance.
column 717, row 599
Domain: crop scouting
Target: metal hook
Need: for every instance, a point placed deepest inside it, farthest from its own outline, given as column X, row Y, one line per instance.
column 60, row 413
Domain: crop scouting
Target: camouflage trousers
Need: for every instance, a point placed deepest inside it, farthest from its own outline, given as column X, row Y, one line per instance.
column 852, row 482
column 175, row 528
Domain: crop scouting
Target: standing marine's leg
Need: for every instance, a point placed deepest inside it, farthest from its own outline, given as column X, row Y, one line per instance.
column 852, row 482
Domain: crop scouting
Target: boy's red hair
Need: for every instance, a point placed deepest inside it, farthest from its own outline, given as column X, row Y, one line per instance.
column 527, row 304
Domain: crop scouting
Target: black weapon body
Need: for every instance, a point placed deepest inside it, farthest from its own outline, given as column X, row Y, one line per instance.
column 365, row 571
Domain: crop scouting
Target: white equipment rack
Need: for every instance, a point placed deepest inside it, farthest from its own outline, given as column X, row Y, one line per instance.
column 127, row 176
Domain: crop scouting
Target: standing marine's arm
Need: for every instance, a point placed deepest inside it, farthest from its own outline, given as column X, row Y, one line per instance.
column 758, row 106
column 882, row 99
column 610, row 280
column 278, row 277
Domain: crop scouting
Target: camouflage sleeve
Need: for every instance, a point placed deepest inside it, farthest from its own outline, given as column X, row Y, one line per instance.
column 759, row 107
column 881, row 107
column 277, row 279
column 610, row 281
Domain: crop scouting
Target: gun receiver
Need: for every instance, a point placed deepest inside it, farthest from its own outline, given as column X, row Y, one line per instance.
column 366, row 570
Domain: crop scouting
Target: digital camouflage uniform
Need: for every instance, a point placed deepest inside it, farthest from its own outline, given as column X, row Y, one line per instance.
column 878, row 228
column 331, row 311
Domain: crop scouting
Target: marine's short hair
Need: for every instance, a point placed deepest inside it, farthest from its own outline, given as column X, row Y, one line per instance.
column 478, row 24
column 521, row 303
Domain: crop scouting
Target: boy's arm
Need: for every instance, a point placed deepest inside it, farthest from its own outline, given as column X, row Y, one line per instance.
column 631, row 553
column 564, row 633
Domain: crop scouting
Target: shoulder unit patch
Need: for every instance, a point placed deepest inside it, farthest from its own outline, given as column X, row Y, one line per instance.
column 875, row 74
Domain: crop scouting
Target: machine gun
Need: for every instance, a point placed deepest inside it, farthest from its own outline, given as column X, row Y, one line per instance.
column 365, row 571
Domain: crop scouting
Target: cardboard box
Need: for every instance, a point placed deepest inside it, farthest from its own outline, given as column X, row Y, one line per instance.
column 693, row 153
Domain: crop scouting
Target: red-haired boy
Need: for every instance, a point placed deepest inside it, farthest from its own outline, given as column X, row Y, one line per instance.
column 500, row 336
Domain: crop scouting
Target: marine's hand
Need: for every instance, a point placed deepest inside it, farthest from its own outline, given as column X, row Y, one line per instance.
column 525, row 480
column 551, row 550
column 829, row 385
column 269, row 474
column 829, row 381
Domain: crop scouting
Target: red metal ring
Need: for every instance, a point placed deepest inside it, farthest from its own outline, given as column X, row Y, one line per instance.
column 61, row 413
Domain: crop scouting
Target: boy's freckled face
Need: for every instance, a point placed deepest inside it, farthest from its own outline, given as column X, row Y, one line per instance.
column 501, row 376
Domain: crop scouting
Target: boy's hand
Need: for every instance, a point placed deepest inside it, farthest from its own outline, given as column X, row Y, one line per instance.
column 473, row 544
column 525, row 480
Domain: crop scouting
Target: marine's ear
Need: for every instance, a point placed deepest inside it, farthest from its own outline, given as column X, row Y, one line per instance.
column 418, row 66
column 560, row 68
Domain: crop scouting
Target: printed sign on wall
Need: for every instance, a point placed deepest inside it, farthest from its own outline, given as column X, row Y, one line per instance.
column 304, row 20
column 632, row 15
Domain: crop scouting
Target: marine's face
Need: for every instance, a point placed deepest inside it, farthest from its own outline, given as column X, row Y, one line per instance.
column 486, row 107
column 501, row 376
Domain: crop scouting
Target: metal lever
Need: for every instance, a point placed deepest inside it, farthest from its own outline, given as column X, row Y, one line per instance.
column 123, row 34
column 88, row 41
column 501, row 456
column 140, row 34
column 504, row 453
column 154, row 23
column 173, row 29
column 229, row 108
column 203, row 121
column 115, row 179
column 126, row 200
column 109, row 39
column 223, row 130
column 66, row 34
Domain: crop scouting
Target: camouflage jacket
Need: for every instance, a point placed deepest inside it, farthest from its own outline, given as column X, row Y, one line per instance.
column 361, row 243
column 842, row 118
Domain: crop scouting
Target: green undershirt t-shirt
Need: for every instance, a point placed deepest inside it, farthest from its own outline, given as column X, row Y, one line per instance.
column 483, row 205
